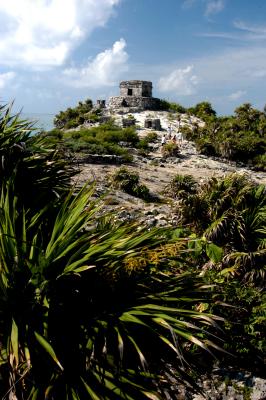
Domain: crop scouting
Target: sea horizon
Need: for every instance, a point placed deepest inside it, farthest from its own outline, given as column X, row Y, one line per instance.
column 42, row 121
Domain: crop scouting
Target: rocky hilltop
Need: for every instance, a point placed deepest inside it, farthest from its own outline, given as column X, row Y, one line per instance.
column 155, row 170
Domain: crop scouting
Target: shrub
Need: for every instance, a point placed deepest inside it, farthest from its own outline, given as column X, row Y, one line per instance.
column 260, row 162
column 151, row 137
column 129, row 182
column 73, row 117
column 130, row 136
column 125, row 180
column 142, row 192
column 170, row 150
column 205, row 147
column 181, row 186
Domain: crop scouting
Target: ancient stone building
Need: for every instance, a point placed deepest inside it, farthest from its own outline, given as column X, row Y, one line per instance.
column 135, row 96
column 136, row 88
column 100, row 104
column 153, row 123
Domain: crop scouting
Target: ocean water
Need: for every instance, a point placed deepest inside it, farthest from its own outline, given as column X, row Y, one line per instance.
column 42, row 121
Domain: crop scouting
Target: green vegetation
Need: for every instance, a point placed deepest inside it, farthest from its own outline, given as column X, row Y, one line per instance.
column 104, row 139
column 92, row 308
column 170, row 150
column 144, row 143
column 229, row 215
column 129, row 183
column 76, row 116
column 238, row 138
column 84, row 301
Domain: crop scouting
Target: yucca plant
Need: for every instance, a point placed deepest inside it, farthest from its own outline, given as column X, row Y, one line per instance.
column 76, row 321
column 231, row 213
column 39, row 171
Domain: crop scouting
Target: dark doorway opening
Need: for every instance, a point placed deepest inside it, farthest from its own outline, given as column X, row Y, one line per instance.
column 129, row 92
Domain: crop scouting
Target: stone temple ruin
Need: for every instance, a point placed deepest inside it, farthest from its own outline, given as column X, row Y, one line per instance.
column 135, row 96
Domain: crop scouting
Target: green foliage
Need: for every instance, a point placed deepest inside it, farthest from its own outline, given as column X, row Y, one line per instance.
column 205, row 146
column 245, row 318
column 240, row 137
column 90, row 308
column 260, row 162
column 37, row 168
column 203, row 110
column 129, row 183
column 143, row 144
column 172, row 107
column 181, row 186
column 73, row 117
column 231, row 212
column 170, row 150
column 103, row 139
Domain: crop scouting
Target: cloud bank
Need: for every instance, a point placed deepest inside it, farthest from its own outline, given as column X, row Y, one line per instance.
column 103, row 70
column 180, row 80
column 6, row 78
column 42, row 33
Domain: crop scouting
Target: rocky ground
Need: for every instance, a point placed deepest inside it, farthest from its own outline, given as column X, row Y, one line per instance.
column 156, row 172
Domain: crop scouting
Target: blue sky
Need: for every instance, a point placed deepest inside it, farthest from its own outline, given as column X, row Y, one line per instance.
column 54, row 53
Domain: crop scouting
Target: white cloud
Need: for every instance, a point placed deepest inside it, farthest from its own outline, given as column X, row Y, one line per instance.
column 250, row 28
column 214, row 7
column 42, row 33
column 259, row 73
column 180, row 80
column 6, row 78
column 237, row 95
column 250, row 31
column 188, row 3
column 211, row 6
column 103, row 70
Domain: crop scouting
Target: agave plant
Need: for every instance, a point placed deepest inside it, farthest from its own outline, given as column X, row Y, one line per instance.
column 75, row 321
column 233, row 217
column 39, row 172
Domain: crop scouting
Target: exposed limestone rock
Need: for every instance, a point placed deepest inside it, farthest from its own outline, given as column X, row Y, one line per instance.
column 135, row 103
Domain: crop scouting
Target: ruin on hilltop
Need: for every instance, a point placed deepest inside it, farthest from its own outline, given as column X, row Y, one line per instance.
column 135, row 96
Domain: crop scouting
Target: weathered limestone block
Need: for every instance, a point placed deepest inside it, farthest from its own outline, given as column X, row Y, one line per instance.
column 136, row 88
column 137, row 102
column 153, row 123
column 100, row 103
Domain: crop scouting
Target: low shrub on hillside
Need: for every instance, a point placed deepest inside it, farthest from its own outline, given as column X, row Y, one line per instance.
column 170, row 150
column 103, row 139
column 181, row 186
column 129, row 182
column 240, row 137
column 73, row 117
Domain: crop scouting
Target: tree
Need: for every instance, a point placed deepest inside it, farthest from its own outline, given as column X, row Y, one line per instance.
column 203, row 110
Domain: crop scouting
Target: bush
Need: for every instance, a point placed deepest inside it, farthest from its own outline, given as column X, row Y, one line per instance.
column 151, row 137
column 142, row 192
column 125, row 180
column 181, row 186
column 260, row 162
column 129, row 182
column 170, row 150
column 165, row 105
column 73, row 117
column 240, row 137
column 205, row 147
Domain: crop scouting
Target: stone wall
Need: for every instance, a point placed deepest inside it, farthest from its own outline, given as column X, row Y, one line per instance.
column 153, row 123
column 137, row 103
column 136, row 88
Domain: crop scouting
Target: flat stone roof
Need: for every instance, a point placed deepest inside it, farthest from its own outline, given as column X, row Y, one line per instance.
column 135, row 82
